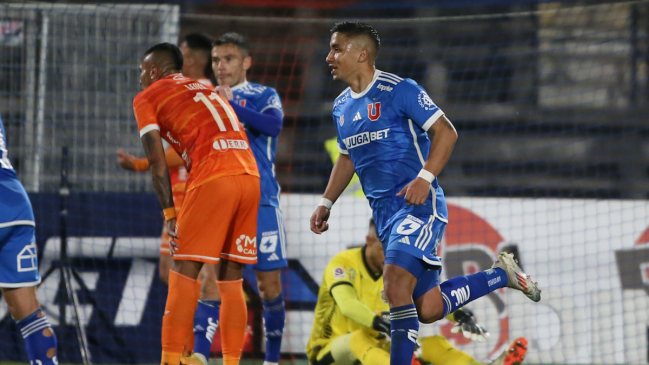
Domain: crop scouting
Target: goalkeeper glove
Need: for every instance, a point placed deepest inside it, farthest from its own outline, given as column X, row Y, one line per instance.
column 466, row 323
column 381, row 324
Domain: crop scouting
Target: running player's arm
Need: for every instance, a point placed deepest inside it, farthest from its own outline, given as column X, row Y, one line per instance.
column 414, row 103
column 341, row 174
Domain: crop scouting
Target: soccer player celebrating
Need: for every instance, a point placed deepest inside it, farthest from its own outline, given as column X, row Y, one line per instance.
column 348, row 324
column 397, row 140
column 217, row 220
column 19, row 264
column 260, row 111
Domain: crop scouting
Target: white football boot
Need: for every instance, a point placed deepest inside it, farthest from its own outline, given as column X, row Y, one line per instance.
column 516, row 277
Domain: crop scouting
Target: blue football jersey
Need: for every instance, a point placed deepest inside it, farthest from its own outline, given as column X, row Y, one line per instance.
column 260, row 98
column 384, row 131
column 15, row 208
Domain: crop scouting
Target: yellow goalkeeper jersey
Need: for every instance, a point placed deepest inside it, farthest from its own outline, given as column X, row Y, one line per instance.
column 346, row 268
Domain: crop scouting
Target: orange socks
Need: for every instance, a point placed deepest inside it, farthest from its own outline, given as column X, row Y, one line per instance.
column 234, row 318
column 189, row 345
column 179, row 315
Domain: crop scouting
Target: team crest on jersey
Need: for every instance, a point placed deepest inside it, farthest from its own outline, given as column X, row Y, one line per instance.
column 274, row 101
column 425, row 101
column 374, row 111
column 242, row 102
column 341, row 120
column 339, row 273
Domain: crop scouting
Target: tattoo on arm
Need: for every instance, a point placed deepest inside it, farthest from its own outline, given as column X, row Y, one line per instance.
column 158, row 167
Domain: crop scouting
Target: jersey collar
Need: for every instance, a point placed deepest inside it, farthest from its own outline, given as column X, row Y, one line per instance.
column 362, row 93
column 240, row 86
column 375, row 277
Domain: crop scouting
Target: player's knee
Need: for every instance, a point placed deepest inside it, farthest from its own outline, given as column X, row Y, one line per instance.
column 21, row 302
column 269, row 284
column 430, row 315
column 396, row 290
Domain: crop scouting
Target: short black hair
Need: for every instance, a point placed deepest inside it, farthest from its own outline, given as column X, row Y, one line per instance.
column 201, row 42
column 171, row 50
column 198, row 41
column 235, row 39
column 356, row 29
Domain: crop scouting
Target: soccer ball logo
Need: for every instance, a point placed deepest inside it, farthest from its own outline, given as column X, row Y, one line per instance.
column 243, row 243
column 425, row 101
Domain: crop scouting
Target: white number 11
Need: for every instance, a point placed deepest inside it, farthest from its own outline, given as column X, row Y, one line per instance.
column 215, row 114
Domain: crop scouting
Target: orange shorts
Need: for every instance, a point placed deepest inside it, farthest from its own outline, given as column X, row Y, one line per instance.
column 218, row 219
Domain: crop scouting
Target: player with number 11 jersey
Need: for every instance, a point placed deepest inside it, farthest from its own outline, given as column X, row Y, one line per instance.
column 204, row 130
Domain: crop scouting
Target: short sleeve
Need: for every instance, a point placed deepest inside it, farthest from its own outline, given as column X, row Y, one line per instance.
column 270, row 99
column 413, row 102
column 144, row 115
column 338, row 272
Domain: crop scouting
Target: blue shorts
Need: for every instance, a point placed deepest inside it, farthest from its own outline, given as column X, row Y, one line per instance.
column 413, row 244
column 271, row 238
column 427, row 275
column 18, row 257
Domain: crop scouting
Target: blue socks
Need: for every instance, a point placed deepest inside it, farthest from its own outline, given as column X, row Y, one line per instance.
column 274, row 316
column 40, row 340
column 206, row 321
column 404, row 327
column 459, row 291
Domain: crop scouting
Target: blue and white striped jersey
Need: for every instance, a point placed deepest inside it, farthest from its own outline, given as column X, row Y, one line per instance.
column 384, row 131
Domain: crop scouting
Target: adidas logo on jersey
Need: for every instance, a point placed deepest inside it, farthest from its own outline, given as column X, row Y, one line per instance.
column 357, row 117
column 273, row 257
column 405, row 240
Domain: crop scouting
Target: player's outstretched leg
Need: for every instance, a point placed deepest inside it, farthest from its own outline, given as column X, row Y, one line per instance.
column 270, row 290
column 461, row 290
column 40, row 340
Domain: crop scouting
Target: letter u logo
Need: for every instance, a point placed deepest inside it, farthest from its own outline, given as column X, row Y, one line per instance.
column 374, row 111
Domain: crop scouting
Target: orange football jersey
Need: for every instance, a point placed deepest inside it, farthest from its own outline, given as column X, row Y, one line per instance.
column 199, row 125
column 178, row 177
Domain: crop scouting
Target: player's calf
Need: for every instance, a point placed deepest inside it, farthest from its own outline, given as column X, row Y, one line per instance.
column 39, row 337
column 270, row 290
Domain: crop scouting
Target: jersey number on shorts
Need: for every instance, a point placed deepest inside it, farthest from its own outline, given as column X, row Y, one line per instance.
column 215, row 113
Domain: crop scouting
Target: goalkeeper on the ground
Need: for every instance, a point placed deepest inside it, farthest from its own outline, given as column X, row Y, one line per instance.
column 348, row 325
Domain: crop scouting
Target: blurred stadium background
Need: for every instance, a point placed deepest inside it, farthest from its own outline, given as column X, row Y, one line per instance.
column 550, row 99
